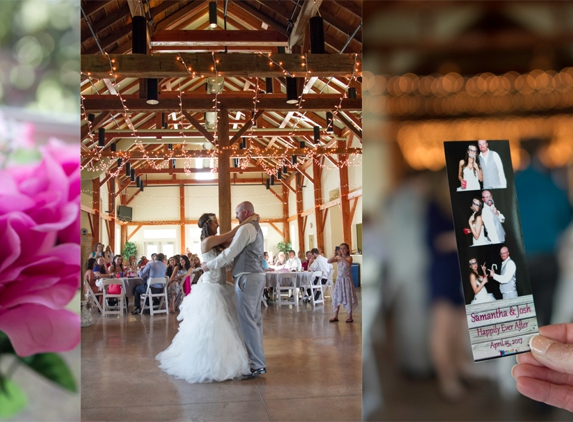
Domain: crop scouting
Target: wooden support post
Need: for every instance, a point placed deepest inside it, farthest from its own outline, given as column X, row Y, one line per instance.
column 300, row 221
column 224, row 171
column 111, row 202
column 182, row 215
column 285, row 215
column 96, row 205
column 123, row 235
column 344, row 201
column 317, row 177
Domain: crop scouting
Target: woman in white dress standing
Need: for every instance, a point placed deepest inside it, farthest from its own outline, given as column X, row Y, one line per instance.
column 470, row 173
column 478, row 283
column 476, row 224
column 209, row 345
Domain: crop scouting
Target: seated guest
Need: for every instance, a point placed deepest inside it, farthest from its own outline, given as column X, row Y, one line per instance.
column 281, row 261
column 100, row 269
column 171, row 265
column 132, row 264
column 98, row 252
column 265, row 261
column 91, row 277
column 180, row 272
column 293, row 263
column 143, row 262
column 306, row 261
column 108, row 254
column 318, row 263
column 116, row 266
column 153, row 269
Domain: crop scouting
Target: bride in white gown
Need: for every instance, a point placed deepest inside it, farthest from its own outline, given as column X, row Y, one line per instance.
column 476, row 224
column 209, row 345
column 470, row 173
column 478, row 284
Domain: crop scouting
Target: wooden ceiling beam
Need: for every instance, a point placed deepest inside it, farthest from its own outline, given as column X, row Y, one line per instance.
column 349, row 124
column 219, row 38
column 245, row 65
column 175, row 18
column 98, row 120
column 277, row 26
column 93, row 6
column 236, row 153
column 109, row 20
column 108, row 42
column 245, row 127
column 209, row 136
column 237, row 170
column 308, row 10
column 204, row 102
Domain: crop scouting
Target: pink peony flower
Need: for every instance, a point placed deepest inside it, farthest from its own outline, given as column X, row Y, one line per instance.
column 40, row 252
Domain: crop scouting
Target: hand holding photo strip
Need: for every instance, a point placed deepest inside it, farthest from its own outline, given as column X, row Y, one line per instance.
column 499, row 305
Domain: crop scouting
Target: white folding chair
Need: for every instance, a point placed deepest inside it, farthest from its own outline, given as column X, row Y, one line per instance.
column 118, row 308
column 316, row 287
column 329, row 284
column 93, row 297
column 286, row 282
column 163, row 302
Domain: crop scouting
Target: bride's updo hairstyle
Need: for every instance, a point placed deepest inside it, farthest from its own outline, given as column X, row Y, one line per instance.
column 203, row 224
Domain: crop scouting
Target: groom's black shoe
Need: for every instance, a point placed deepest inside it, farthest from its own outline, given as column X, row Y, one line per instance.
column 136, row 311
column 257, row 372
column 247, row 377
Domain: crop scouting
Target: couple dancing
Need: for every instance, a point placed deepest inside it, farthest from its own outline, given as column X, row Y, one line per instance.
column 221, row 334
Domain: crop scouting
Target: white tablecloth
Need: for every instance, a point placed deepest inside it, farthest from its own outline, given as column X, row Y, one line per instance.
column 128, row 284
column 302, row 278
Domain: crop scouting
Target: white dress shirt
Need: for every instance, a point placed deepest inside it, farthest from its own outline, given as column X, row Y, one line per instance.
column 321, row 264
column 508, row 270
column 246, row 234
column 294, row 264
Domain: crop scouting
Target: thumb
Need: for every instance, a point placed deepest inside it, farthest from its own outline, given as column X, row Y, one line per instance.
column 551, row 353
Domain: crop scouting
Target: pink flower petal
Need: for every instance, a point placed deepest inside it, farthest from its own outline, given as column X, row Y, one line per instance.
column 38, row 329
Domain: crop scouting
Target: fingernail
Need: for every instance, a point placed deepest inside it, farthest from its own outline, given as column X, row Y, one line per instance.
column 540, row 344
column 512, row 371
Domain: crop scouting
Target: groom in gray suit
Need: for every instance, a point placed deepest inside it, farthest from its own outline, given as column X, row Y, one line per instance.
column 247, row 249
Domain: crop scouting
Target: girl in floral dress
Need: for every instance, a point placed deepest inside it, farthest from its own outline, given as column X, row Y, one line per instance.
column 344, row 293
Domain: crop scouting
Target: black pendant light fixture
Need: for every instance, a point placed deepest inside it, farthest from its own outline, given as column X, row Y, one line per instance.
column 329, row 122
column 279, row 174
column 285, row 170
column 152, row 94
column 291, row 90
column 268, row 183
column 213, row 14
column 141, row 187
column 269, row 83
column 138, row 181
column 173, row 163
column 170, row 147
column 163, row 121
column 132, row 175
column 91, row 117
column 128, row 169
column 119, row 161
column 113, row 147
column 301, row 144
column 101, row 137
column 316, row 134
column 293, row 160
column 235, row 162
column 244, row 143
column 138, row 35
column 351, row 92
column 316, row 35
column 272, row 180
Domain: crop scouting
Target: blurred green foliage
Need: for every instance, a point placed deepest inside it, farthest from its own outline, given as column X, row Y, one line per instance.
column 39, row 55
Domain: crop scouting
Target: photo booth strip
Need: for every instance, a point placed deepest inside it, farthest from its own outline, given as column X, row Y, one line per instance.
column 499, row 327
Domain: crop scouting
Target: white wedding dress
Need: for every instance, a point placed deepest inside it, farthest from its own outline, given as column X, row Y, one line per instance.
column 209, row 345
column 481, row 240
column 471, row 179
column 483, row 296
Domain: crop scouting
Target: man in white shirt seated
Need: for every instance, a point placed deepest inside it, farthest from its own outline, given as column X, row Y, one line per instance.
column 293, row 263
column 318, row 263
column 153, row 269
